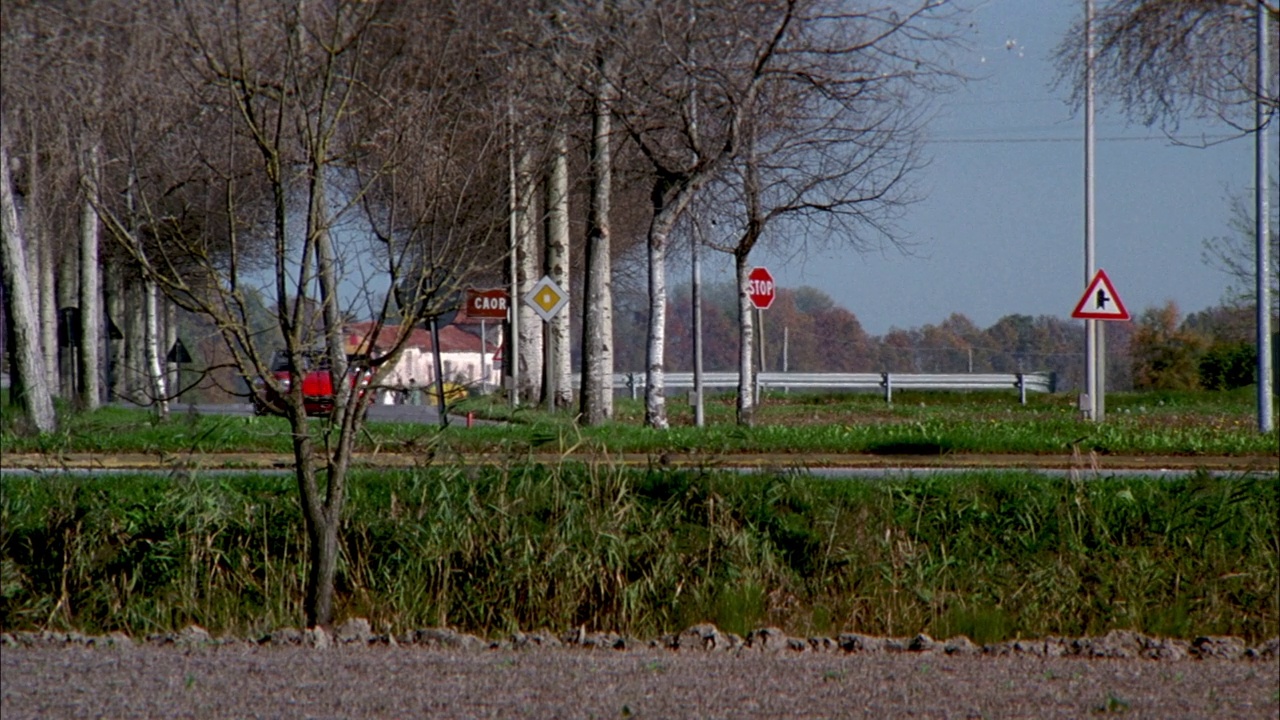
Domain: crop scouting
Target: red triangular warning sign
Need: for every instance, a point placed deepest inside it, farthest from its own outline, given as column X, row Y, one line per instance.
column 1100, row 301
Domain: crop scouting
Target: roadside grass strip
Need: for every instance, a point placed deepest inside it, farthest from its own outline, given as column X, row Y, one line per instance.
column 642, row 551
column 1187, row 424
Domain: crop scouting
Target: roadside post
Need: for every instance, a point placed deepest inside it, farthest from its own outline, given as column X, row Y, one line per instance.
column 486, row 305
column 444, row 317
column 547, row 299
column 1099, row 302
column 762, row 290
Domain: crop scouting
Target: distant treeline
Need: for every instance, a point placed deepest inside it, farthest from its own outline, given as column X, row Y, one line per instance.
column 806, row 331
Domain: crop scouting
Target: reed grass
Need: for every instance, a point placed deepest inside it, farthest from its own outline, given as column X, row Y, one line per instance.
column 490, row 549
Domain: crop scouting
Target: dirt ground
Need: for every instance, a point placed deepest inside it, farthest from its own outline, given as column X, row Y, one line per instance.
column 262, row 681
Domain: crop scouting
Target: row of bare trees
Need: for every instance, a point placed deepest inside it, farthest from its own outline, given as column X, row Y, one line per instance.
column 333, row 159
column 337, row 159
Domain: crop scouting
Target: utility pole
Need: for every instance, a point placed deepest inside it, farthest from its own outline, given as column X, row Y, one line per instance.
column 511, row 354
column 699, row 413
column 1092, row 328
column 1262, row 228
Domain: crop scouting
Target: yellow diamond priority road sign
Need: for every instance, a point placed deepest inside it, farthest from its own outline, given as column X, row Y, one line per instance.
column 547, row 298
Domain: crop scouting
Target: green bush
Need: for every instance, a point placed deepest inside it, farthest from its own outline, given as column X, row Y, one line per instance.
column 1227, row 366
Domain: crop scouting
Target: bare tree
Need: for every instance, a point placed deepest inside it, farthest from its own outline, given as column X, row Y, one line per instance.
column 1233, row 254
column 36, row 401
column 576, row 42
column 529, row 269
column 328, row 141
column 596, row 395
column 557, row 264
column 828, row 148
column 90, row 281
column 1163, row 59
column 700, row 86
column 688, row 74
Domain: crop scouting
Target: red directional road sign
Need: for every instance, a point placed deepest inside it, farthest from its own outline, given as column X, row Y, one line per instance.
column 761, row 288
column 1100, row 301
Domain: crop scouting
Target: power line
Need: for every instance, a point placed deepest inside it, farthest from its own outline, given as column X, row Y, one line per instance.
column 1118, row 138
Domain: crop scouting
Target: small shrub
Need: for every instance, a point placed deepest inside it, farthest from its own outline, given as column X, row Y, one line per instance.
column 1227, row 366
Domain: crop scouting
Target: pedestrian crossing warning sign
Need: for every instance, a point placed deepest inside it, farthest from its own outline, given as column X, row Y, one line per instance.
column 1100, row 301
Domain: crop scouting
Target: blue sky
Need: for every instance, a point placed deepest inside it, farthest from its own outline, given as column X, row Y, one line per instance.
column 1001, row 226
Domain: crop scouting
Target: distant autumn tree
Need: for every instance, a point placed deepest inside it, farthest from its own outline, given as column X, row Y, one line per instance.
column 1164, row 354
column 1022, row 343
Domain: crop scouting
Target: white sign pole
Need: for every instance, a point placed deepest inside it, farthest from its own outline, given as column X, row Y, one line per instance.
column 1092, row 384
column 484, row 360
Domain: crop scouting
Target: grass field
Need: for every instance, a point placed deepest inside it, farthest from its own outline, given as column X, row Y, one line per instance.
column 917, row 423
column 553, row 532
column 643, row 551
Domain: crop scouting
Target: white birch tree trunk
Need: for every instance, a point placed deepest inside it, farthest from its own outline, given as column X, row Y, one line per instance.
column 746, row 343
column 36, row 401
column 90, row 288
column 596, row 397
column 557, row 261
column 155, row 364
column 41, row 266
column 655, row 401
column 667, row 210
column 531, row 351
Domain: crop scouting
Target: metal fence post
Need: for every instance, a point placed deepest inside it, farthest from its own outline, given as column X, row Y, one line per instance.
column 1022, row 389
column 888, row 388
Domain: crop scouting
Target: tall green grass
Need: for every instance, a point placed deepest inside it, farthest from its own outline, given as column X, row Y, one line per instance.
column 645, row 551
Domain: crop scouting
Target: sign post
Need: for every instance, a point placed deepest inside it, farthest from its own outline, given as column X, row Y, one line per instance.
column 762, row 290
column 486, row 305
column 547, row 299
column 1099, row 302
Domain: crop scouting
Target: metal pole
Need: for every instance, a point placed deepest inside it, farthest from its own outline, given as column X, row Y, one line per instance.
column 760, row 324
column 1091, row 384
column 435, row 353
column 484, row 360
column 786, row 362
column 548, row 372
column 699, row 416
column 1262, row 230
column 759, row 353
column 512, row 356
column 1101, row 404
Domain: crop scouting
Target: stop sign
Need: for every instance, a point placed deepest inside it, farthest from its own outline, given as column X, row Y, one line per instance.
column 760, row 287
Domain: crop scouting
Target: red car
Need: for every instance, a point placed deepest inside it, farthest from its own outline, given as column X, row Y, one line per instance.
column 317, row 386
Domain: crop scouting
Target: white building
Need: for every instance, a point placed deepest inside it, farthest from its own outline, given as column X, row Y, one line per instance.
column 464, row 359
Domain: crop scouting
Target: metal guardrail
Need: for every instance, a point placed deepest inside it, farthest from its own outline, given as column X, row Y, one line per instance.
column 634, row 383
